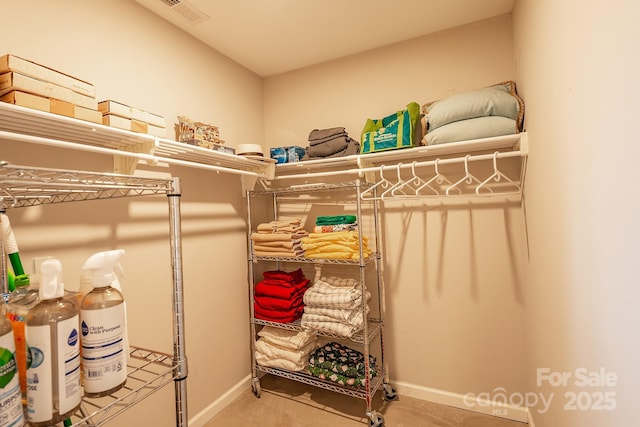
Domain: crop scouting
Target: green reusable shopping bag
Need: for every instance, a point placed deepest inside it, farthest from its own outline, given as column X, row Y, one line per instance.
column 391, row 132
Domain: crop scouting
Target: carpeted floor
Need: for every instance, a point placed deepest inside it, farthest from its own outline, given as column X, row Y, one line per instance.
column 286, row 403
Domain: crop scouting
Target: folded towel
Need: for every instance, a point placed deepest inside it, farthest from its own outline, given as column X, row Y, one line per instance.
column 286, row 338
column 283, row 253
column 276, row 291
column 271, row 303
column 338, row 236
column 341, row 282
column 280, row 316
column 294, row 251
column 345, row 301
column 352, row 316
column 294, row 276
column 329, row 147
column 355, row 322
column 263, row 360
column 334, row 328
column 335, row 228
column 275, row 237
column 271, row 351
column 335, row 219
column 326, row 287
column 282, row 226
column 320, row 134
column 352, row 149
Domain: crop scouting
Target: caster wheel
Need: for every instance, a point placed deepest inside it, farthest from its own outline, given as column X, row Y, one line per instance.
column 376, row 421
column 255, row 388
column 389, row 392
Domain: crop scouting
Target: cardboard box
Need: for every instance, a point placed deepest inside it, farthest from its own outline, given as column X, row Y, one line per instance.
column 211, row 146
column 122, row 110
column 15, row 81
column 124, row 123
column 70, row 110
column 28, row 68
column 27, row 100
column 158, row 131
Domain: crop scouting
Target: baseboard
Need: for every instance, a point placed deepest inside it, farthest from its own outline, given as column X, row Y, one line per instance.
column 220, row 403
column 497, row 409
column 468, row 402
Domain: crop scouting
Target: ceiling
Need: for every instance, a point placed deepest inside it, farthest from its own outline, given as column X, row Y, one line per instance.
column 275, row 36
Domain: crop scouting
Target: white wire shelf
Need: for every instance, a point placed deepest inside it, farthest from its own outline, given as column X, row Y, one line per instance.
column 148, row 372
column 22, row 186
column 305, row 378
column 373, row 329
column 504, row 143
column 32, row 126
column 307, row 260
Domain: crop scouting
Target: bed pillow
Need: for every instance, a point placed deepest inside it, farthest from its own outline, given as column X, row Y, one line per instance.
column 497, row 100
column 478, row 127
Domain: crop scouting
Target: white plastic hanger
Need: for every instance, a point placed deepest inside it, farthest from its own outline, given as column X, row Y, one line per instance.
column 468, row 177
column 497, row 176
column 438, row 178
column 383, row 183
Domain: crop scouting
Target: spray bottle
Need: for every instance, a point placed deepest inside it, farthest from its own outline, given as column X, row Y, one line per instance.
column 102, row 312
column 11, row 247
column 10, row 395
column 53, row 375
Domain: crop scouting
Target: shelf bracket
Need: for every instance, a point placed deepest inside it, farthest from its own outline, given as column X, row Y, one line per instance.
column 248, row 183
column 126, row 165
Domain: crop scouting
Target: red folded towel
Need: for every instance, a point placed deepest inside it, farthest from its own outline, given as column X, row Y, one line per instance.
column 280, row 316
column 292, row 277
column 271, row 303
column 265, row 288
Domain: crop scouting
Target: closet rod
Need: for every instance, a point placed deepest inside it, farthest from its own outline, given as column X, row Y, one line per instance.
column 361, row 171
column 17, row 137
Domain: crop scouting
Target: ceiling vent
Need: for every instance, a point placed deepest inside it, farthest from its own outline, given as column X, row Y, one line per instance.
column 186, row 10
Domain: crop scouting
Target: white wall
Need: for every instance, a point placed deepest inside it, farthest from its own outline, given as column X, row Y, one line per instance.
column 578, row 72
column 137, row 58
column 453, row 271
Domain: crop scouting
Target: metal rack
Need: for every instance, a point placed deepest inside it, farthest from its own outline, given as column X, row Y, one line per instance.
column 373, row 325
column 22, row 186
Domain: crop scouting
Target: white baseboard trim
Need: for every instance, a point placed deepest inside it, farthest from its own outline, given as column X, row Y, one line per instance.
column 468, row 402
column 220, row 403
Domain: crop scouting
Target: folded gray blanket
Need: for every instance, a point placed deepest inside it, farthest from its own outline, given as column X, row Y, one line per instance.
column 352, row 147
column 329, row 147
column 324, row 134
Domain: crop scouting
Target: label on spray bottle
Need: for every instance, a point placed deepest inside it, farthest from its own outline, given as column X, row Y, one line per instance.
column 40, row 381
column 103, row 356
column 10, row 396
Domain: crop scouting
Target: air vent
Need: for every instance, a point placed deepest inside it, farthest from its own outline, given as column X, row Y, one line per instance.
column 187, row 10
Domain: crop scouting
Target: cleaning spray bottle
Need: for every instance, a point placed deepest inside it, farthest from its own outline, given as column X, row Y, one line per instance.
column 102, row 313
column 11, row 413
column 53, row 372
column 20, row 301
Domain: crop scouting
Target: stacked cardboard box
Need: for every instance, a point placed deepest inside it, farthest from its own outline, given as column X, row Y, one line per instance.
column 122, row 116
column 32, row 85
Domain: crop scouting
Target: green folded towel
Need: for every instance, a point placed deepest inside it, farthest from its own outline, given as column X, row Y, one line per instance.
column 335, row 219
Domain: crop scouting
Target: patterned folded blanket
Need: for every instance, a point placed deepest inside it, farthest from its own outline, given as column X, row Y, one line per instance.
column 341, row 364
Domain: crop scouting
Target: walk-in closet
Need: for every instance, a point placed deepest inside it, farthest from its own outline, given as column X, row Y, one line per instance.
column 493, row 276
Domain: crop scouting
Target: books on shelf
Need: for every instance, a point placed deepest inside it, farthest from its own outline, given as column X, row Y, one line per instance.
column 122, row 110
column 15, row 81
column 28, row 84
column 51, row 105
column 28, row 68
